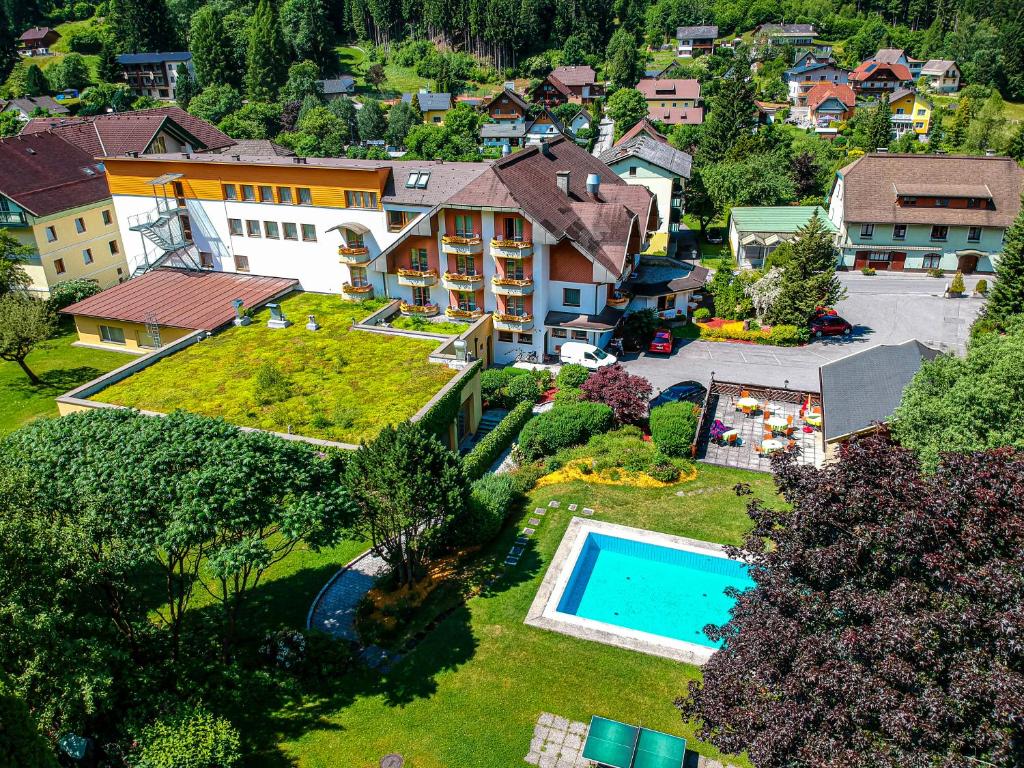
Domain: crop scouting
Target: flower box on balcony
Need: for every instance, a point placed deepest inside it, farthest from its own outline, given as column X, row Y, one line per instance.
column 427, row 310
column 520, row 244
column 458, row 277
column 416, row 273
column 354, row 250
column 513, row 281
column 417, row 278
column 460, row 239
column 358, row 290
column 464, row 314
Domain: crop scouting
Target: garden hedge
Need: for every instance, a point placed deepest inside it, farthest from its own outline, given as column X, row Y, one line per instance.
column 563, row 426
column 673, row 427
column 779, row 335
column 491, row 500
column 572, row 376
column 487, row 451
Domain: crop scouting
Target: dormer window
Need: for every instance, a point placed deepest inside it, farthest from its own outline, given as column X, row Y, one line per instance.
column 910, row 201
column 942, row 202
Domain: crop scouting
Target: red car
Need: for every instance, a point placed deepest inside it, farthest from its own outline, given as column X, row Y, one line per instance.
column 829, row 325
column 662, row 342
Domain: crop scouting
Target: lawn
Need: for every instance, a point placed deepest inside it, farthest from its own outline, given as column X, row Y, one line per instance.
column 335, row 384
column 711, row 254
column 60, row 366
column 470, row 693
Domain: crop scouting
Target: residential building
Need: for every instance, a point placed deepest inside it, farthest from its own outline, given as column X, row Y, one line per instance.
column 54, row 198
column 943, row 75
column 754, row 232
column 507, row 106
column 801, row 78
column 676, row 115
column 818, row 53
column 26, row 106
column 540, row 239
column 646, row 128
column 154, row 74
column 544, row 127
column 911, row 111
column 875, row 77
column 504, row 134
column 581, row 121
column 786, row 34
column 694, row 41
column 37, row 41
column 661, row 168
column 338, row 87
column 920, row 212
column 863, row 389
column 768, row 111
column 828, row 103
column 899, row 56
column 568, row 84
column 164, row 305
column 669, row 94
column 433, row 106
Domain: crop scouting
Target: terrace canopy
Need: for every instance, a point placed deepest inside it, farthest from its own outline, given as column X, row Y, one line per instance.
column 616, row 745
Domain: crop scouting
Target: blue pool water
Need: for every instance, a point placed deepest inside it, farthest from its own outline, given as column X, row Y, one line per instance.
column 664, row 591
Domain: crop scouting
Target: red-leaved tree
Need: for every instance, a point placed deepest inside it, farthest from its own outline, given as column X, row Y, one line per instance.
column 886, row 628
column 625, row 394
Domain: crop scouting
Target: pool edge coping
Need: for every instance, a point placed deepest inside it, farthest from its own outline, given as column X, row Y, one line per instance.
column 560, row 569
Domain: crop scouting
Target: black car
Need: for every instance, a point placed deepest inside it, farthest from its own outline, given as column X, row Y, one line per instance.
column 688, row 391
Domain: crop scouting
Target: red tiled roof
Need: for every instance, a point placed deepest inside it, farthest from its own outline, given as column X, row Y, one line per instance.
column 664, row 88
column 45, row 174
column 644, row 126
column 182, row 299
column 677, row 115
column 869, row 69
column 575, row 76
column 824, row 91
column 559, row 86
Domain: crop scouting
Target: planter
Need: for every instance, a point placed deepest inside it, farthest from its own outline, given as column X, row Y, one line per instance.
column 362, row 291
column 510, row 286
column 355, row 255
column 511, row 249
column 463, row 314
column 505, row 322
column 419, row 310
column 457, row 244
column 456, row 281
column 415, row 278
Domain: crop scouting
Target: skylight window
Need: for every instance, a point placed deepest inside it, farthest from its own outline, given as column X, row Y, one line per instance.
column 424, row 178
column 417, row 180
column 88, row 171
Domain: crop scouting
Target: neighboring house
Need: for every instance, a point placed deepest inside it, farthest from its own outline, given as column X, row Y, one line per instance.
column 335, row 88
column 874, row 77
column 54, row 198
column 146, row 131
column 661, row 168
column 801, row 78
column 786, row 34
column 37, row 41
column 754, row 232
column 899, row 56
column 694, row 41
column 817, row 54
column 154, row 74
column 538, row 240
column 568, row 84
column 25, row 106
column 545, row 126
column 911, row 111
column 676, row 116
column 433, row 106
column 504, row 134
column 921, row 212
column 164, row 305
column 669, row 94
column 943, row 75
column 646, row 128
column 666, row 286
column 828, row 103
column 581, row 121
column 863, row 389
column 767, row 111
column 507, row 107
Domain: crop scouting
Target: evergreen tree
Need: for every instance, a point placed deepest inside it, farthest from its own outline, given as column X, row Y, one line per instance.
column 141, row 25
column 313, row 40
column 573, row 52
column 8, row 44
column 623, row 63
column 1016, row 148
column 809, row 276
column 401, row 118
column 879, row 128
column 212, row 51
column 36, row 83
column 1007, row 295
column 108, row 69
column 731, row 114
column 372, row 123
column 265, row 59
column 961, row 121
column 186, row 87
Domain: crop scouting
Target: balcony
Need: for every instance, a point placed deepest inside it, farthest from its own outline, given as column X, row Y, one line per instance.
column 419, row 310
column 512, row 286
column 463, row 314
column 417, row 278
column 356, row 254
column 619, row 300
column 511, row 249
column 459, row 244
column 13, row 219
column 503, row 322
column 457, row 281
column 357, row 291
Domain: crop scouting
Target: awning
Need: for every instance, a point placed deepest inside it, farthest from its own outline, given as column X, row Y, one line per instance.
column 605, row 320
column 167, row 178
column 617, row 745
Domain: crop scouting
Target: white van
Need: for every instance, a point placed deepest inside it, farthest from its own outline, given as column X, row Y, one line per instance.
column 586, row 355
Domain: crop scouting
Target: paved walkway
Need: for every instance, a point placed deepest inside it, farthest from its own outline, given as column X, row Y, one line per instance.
column 335, row 609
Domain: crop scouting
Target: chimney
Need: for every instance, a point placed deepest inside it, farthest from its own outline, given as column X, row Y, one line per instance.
column 593, row 185
column 562, row 179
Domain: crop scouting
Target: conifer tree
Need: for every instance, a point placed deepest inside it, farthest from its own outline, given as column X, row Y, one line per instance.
column 141, row 25
column 1007, row 296
column 1016, row 148
column 186, row 87
column 36, row 83
column 313, row 37
column 623, row 62
column 108, row 69
column 961, row 121
column 212, row 51
column 265, row 58
column 879, row 128
column 731, row 114
column 8, row 46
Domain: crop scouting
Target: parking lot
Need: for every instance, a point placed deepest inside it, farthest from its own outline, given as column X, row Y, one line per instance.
column 883, row 309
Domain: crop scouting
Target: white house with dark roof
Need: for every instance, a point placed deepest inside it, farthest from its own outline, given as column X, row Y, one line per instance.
column 694, row 41
column 335, row 88
column 661, row 168
column 154, row 74
column 25, row 107
column 943, row 75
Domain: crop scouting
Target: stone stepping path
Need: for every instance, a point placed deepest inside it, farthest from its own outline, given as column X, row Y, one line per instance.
column 532, row 524
column 557, row 743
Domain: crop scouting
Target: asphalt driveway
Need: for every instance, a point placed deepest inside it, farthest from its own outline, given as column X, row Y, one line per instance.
column 884, row 309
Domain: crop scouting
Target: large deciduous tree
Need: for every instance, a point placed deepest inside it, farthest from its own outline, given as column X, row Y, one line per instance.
column 885, row 622
column 25, row 322
column 627, row 107
column 13, row 254
column 21, row 743
column 371, row 120
column 623, row 62
column 265, row 58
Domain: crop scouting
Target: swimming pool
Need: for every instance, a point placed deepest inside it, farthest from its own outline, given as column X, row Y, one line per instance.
column 639, row 589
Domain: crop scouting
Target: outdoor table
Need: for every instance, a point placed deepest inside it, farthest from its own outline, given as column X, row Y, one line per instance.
column 730, row 436
column 777, row 423
column 748, row 402
column 813, row 419
column 770, row 446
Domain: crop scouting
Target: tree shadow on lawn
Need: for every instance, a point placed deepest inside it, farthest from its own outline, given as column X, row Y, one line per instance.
column 58, row 380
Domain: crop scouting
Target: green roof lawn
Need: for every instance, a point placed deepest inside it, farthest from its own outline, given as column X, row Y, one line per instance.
column 334, row 384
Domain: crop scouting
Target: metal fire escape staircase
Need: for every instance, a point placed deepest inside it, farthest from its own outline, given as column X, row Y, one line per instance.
column 162, row 226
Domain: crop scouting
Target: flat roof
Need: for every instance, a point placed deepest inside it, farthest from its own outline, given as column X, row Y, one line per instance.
column 778, row 218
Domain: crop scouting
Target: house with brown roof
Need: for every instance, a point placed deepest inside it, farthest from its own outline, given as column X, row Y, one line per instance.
column 922, row 212
column 37, row 41
column 568, row 84
column 54, row 198
column 830, row 102
column 507, row 106
column 669, row 93
column 943, row 75
column 875, row 77
column 899, row 56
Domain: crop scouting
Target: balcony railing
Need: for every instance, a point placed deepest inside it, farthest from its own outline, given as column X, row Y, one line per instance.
column 362, row 291
column 460, row 281
column 463, row 314
column 511, row 249
column 417, row 278
column 620, row 301
column 512, row 286
column 505, row 322
column 356, row 254
column 423, row 310
column 461, row 244
column 13, row 219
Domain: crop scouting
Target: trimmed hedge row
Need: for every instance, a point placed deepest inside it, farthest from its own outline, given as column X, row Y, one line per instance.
column 779, row 335
column 563, row 426
column 487, row 451
column 673, row 427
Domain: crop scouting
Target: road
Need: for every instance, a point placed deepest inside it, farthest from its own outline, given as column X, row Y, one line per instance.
column 605, row 134
column 884, row 309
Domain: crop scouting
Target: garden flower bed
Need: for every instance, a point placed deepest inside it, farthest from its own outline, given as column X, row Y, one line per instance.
column 720, row 329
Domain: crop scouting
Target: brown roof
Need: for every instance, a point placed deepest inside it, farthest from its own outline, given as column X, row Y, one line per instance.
column 37, row 33
column 869, row 69
column 28, row 104
column 889, row 55
column 872, row 181
column 677, row 115
column 824, row 91
column 561, row 87
column 663, row 88
column 575, row 76
column 644, row 126
column 44, row 174
column 512, row 96
column 254, row 147
column 182, row 299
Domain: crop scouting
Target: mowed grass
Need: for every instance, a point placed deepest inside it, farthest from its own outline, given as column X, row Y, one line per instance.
column 470, row 694
column 335, row 383
column 60, row 366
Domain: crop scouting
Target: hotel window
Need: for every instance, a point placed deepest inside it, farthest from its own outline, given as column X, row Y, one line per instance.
column 309, row 233
column 284, row 195
column 867, row 231
column 666, row 303
column 931, row 261
column 467, row 301
column 513, row 269
column 910, row 201
column 354, row 239
column 305, row 196
column 464, row 226
column 899, row 231
column 230, row 192
column 51, row 235
column 241, row 263
column 114, row 247
column 80, row 225
column 559, row 333
column 252, row 228
column 266, row 194
column 271, row 230
column 361, row 199
column 571, row 297
column 974, row 234
column 58, row 266
column 465, row 264
column 358, row 275
column 513, row 228
column 515, row 305
column 526, row 338
column 579, row 335
column 248, row 193
column 419, row 260
column 235, row 227
column 396, row 220
column 420, row 296
column 87, row 256
column 206, row 260
column 106, row 217
column 939, row 232
column 506, row 336
column 111, row 334
column 291, row 232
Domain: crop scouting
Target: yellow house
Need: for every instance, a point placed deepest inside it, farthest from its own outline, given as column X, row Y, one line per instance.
column 433, row 106
column 54, row 198
column 910, row 111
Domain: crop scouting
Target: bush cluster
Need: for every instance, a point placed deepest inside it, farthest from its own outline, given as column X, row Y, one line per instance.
column 869, row 271
column 779, row 335
column 507, row 387
column 487, row 451
column 563, row 426
column 572, row 376
column 673, row 427
column 492, row 498
column 70, row 291
column 701, row 314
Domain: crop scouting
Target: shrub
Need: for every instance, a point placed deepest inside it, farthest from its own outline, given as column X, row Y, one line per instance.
column 981, row 286
column 640, row 326
column 626, row 394
column 778, row 335
column 563, row 426
column 572, row 376
column 493, row 444
column 494, row 384
column 67, row 293
column 673, row 427
column 664, row 472
column 869, row 271
column 491, row 499
column 957, row 286
column 194, row 737
column 270, row 385
column 522, row 389
column 701, row 314
column 568, row 395
column 935, row 272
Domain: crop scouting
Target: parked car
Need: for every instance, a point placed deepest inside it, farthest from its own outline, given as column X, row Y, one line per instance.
column 829, row 325
column 687, row 391
column 586, row 355
column 662, row 342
